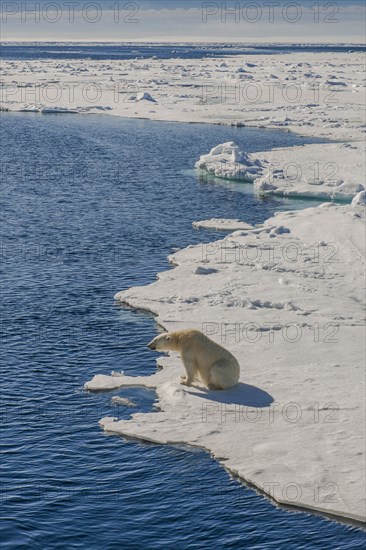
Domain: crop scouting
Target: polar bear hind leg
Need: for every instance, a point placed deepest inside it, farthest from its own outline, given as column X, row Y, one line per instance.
column 222, row 376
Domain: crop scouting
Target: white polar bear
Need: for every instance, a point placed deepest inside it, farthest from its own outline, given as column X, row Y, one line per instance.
column 203, row 359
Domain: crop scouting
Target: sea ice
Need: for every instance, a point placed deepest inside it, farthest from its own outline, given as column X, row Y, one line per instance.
column 222, row 224
column 145, row 96
column 359, row 199
column 228, row 162
column 124, row 401
column 292, row 313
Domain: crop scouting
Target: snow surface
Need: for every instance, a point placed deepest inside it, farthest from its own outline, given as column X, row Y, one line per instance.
column 359, row 199
column 227, row 161
column 145, row 96
column 222, row 224
column 336, row 171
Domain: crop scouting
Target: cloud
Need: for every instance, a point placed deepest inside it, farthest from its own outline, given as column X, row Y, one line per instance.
column 187, row 20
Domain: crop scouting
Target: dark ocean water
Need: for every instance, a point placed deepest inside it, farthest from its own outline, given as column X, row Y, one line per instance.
column 89, row 207
column 105, row 51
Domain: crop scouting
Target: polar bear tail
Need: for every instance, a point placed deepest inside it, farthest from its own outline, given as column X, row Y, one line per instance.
column 224, row 375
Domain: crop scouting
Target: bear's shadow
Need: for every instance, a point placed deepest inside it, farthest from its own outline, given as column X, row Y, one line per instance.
column 241, row 394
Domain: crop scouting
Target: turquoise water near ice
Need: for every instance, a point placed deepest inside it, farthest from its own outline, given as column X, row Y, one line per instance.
column 89, row 208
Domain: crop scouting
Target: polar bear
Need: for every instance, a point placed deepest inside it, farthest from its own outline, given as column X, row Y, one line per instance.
column 203, row 359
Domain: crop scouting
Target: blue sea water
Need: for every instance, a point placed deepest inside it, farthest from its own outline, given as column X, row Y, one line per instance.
column 109, row 51
column 89, row 208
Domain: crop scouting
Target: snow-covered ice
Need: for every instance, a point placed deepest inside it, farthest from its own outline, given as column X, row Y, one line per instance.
column 314, row 94
column 228, row 162
column 124, row 401
column 291, row 309
column 222, row 224
column 359, row 199
column 333, row 171
column 324, row 96
column 145, row 96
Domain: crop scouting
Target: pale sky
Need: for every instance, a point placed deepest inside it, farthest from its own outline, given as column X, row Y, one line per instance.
column 184, row 20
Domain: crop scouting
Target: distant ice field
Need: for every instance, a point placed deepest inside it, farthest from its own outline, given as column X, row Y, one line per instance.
column 104, row 51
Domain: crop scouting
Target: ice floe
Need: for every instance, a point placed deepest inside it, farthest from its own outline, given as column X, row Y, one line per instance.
column 226, row 160
column 293, row 314
column 222, row 224
column 359, row 199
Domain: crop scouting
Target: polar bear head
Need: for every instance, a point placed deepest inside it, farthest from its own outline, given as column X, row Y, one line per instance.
column 177, row 340
column 164, row 342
